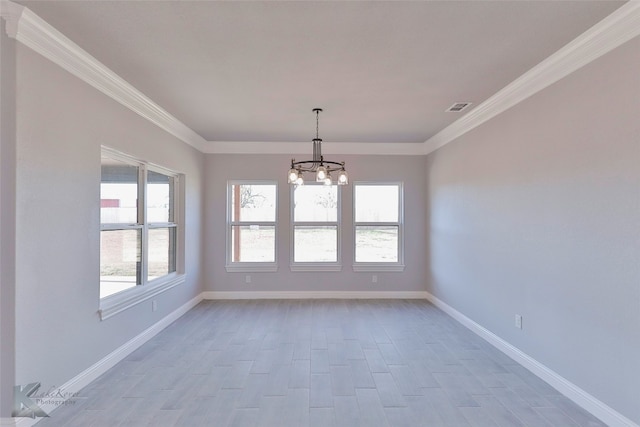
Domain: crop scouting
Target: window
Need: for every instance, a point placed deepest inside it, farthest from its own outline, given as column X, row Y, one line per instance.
column 121, row 232
column 378, row 227
column 139, row 227
column 251, row 230
column 315, row 227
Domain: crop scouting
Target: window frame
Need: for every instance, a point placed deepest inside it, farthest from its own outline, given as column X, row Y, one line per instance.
column 249, row 267
column 113, row 304
column 374, row 266
column 318, row 265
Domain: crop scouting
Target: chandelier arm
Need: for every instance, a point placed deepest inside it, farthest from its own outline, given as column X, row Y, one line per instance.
column 312, row 165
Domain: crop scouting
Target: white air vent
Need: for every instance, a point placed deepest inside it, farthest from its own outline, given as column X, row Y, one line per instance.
column 458, row 106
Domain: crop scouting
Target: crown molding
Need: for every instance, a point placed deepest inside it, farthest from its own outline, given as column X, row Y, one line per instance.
column 617, row 28
column 11, row 13
column 35, row 33
column 28, row 28
column 358, row 148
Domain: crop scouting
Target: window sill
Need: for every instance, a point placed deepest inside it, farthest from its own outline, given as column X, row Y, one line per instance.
column 311, row 267
column 372, row 267
column 251, row 268
column 114, row 304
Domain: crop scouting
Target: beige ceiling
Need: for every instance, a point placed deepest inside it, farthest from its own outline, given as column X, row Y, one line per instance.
column 383, row 71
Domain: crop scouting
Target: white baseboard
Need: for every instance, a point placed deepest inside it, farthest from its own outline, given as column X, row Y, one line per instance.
column 599, row 409
column 575, row 393
column 222, row 295
column 93, row 372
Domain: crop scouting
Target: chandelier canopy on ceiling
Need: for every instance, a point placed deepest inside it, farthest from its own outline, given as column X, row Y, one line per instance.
column 321, row 167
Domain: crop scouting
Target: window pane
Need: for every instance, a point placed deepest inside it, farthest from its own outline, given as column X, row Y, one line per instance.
column 376, row 203
column 119, row 260
column 253, row 202
column 315, row 244
column 253, row 243
column 316, row 203
column 118, row 192
column 159, row 197
column 376, row 244
column 162, row 252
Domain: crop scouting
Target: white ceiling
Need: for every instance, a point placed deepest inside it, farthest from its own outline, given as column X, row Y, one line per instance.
column 382, row 71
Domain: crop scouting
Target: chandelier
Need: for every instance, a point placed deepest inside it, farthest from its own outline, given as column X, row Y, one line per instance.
column 321, row 167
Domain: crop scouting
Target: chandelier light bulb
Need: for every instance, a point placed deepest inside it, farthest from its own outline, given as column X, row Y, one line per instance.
column 293, row 176
column 299, row 180
column 321, row 173
column 343, row 178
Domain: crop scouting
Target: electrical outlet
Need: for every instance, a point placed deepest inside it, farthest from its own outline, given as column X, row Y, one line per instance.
column 374, row 279
column 154, row 305
column 247, row 279
column 518, row 321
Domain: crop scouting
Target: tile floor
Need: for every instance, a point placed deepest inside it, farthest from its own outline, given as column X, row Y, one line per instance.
column 298, row 363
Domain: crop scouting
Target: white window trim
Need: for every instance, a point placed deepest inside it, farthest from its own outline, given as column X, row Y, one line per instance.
column 361, row 267
column 121, row 301
column 381, row 266
column 250, row 267
column 320, row 265
column 116, row 303
column 315, row 266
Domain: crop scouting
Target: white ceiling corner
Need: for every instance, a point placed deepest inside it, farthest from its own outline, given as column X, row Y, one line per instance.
column 273, row 125
column 34, row 32
column 619, row 27
column 11, row 12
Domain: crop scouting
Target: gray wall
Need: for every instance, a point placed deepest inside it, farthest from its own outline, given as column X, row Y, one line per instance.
column 221, row 168
column 61, row 123
column 537, row 212
column 7, row 219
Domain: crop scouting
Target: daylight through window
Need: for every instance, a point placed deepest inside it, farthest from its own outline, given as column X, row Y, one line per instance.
column 316, row 232
column 138, row 224
column 378, row 223
column 251, row 231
